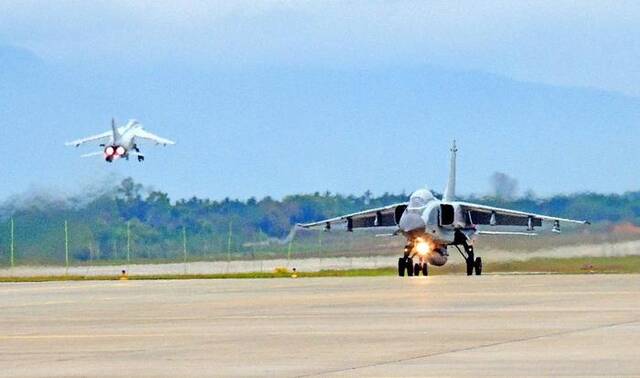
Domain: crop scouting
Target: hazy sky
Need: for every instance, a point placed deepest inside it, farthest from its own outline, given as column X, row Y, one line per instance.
column 277, row 97
column 584, row 43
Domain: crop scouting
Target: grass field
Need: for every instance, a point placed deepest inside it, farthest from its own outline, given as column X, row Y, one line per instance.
column 578, row 265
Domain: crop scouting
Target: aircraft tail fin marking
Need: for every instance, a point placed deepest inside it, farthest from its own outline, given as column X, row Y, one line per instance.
column 116, row 133
column 450, row 190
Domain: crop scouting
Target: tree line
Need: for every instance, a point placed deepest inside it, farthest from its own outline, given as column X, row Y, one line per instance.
column 130, row 217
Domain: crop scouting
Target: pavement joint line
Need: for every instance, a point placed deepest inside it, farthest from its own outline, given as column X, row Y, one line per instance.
column 467, row 349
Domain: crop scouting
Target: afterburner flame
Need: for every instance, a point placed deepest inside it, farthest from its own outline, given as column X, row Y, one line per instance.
column 423, row 247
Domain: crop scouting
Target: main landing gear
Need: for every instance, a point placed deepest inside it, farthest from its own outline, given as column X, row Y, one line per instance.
column 474, row 264
column 406, row 265
column 140, row 157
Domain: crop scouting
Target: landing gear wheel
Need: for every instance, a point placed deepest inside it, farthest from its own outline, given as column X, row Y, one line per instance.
column 401, row 267
column 422, row 267
column 472, row 262
column 477, row 266
column 409, row 265
column 469, row 268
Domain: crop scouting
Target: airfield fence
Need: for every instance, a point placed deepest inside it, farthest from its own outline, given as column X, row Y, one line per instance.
column 62, row 243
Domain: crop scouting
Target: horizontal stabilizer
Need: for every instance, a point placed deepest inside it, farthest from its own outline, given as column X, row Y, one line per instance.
column 386, row 235
column 506, row 233
column 99, row 153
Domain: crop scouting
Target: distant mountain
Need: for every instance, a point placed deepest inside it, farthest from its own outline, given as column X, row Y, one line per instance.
column 15, row 60
column 275, row 131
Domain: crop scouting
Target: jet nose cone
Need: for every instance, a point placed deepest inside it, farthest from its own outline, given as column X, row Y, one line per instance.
column 411, row 222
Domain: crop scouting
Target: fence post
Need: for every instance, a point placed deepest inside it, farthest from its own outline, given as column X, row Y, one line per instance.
column 128, row 242
column 66, row 246
column 229, row 241
column 184, row 247
column 320, row 248
column 13, row 245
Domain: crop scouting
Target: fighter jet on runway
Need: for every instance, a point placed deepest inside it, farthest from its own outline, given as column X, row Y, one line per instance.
column 121, row 142
column 430, row 225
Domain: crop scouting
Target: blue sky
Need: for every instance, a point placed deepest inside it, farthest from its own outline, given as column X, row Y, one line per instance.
column 274, row 98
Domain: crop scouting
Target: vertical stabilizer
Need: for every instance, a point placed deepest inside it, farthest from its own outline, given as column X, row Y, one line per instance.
column 116, row 133
column 450, row 190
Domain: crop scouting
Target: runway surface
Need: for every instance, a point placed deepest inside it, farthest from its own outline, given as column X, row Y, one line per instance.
column 386, row 326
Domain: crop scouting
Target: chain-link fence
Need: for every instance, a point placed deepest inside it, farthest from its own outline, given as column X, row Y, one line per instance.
column 80, row 243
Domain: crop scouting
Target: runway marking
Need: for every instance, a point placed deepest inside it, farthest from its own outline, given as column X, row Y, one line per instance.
column 47, row 287
column 470, row 348
column 46, row 337
column 38, row 304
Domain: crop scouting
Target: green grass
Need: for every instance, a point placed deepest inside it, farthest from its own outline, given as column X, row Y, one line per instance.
column 578, row 265
column 574, row 265
column 256, row 275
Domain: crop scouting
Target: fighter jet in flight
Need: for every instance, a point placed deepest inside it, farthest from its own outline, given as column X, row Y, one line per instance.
column 121, row 142
column 431, row 225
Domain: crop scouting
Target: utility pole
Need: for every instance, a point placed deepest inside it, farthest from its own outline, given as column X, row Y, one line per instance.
column 13, row 244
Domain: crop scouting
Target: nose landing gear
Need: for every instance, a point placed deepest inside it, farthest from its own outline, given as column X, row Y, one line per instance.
column 421, row 267
column 406, row 265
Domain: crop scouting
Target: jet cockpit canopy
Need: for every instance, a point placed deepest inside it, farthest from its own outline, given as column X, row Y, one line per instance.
column 420, row 198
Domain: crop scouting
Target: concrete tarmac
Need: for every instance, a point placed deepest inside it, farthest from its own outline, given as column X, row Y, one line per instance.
column 494, row 325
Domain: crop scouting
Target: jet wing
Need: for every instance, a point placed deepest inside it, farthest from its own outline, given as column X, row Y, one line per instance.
column 143, row 134
column 380, row 217
column 95, row 138
column 495, row 216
